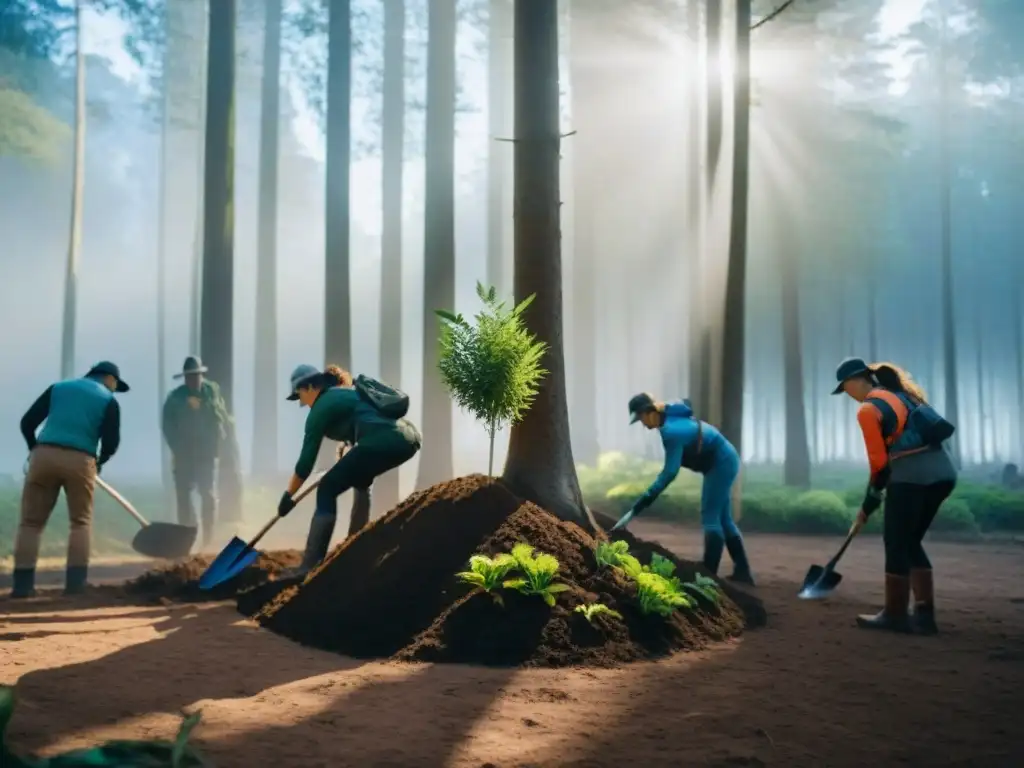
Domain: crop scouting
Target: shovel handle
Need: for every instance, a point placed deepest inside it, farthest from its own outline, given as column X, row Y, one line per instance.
column 273, row 521
column 842, row 550
column 122, row 501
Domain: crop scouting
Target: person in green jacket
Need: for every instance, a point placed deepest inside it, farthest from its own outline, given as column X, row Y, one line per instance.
column 195, row 418
column 366, row 415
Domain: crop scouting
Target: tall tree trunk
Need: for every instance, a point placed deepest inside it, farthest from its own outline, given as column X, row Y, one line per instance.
column 588, row 151
column 797, row 465
column 499, row 119
column 161, row 265
column 733, row 355
column 388, row 489
column 67, row 352
column 540, row 463
column 695, row 211
column 438, row 235
column 952, row 410
column 196, row 281
column 337, row 298
column 979, row 378
column 265, row 399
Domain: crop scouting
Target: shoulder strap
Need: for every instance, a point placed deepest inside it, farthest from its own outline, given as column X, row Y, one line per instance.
column 894, row 410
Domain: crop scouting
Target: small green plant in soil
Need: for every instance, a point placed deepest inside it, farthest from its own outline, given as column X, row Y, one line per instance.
column 704, row 586
column 658, row 595
column 539, row 572
column 609, row 553
column 591, row 611
column 488, row 573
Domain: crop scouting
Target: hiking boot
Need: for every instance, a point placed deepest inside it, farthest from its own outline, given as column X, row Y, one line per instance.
column 893, row 617
column 713, row 545
column 24, row 583
column 741, row 566
column 75, row 578
column 321, row 529
column 923, row 619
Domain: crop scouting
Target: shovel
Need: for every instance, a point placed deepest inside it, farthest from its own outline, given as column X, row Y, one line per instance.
column 821, row 581
column 168, row 541
column 238, row 554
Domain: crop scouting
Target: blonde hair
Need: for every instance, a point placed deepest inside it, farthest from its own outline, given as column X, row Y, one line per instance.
column 892, row 377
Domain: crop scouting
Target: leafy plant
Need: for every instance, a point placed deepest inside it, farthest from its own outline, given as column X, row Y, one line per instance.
column 609, row 553
column 593, row 610
column 662, row 566
column 656, row 594
column 704, row 586
column 539, row 572
column 487, row 573
column 491, row 367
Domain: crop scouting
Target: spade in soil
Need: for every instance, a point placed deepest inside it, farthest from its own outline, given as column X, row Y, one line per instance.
column 821, row 580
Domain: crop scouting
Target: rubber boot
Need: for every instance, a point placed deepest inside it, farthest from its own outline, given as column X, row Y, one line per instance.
column 741, row 566
column 321, row 528
column 360, row 516
column 893, row 617
column 713, row 545
column 923, row 619
column 24, row 583
column 75, row 578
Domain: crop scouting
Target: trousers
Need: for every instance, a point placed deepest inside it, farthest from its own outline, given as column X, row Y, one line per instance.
column 716, row 497
column 195, row 475
column 909, row 512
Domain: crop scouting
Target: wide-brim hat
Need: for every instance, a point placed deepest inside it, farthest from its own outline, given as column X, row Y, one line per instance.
column 107, row 368
column 848, row 369
column 303, row 374
column 191, row 366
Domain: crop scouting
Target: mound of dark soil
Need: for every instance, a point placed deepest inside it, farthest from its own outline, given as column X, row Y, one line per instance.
column 391, row 591
column 180, row 581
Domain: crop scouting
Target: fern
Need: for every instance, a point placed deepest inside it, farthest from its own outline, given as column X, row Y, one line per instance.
column 488, row 573
column 704, row 586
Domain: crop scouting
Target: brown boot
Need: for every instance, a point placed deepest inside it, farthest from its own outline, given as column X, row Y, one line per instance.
column 923, row 620
column 894, row 616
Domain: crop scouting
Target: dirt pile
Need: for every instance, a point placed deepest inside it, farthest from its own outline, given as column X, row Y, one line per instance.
column 179, row 581
column 391, row 591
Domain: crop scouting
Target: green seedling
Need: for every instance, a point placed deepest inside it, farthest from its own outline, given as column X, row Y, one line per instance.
column 704, row 586
column 610, row 553
column 657, row 594
column 538, row 574
column 662, row 566
column 488, row 573
column 593, row 610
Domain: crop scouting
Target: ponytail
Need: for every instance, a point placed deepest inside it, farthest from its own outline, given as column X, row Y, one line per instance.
column 336, row 376
column 895, row 379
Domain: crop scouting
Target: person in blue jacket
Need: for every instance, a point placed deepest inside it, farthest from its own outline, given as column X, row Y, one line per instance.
column 699, row 447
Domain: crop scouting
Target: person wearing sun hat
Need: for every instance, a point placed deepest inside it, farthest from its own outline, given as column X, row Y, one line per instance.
column 365, row 414
column 81, row 417
column 195, row 421
column 699, row 447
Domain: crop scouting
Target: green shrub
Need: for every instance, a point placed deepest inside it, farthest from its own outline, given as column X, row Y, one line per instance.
column 817, row 512
column 955, row 516
column 994, row 508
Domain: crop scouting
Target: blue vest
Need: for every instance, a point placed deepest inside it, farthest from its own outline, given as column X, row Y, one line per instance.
column 77, row 409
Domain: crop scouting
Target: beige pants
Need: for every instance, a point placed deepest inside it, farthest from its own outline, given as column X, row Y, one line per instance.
column 49, row 470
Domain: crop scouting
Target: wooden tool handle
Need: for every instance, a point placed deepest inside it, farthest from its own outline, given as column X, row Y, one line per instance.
column 122, row 501
column 296, row 498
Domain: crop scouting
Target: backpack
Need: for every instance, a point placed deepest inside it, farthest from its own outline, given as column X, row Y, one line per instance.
column 390, row 402
column 922, row 419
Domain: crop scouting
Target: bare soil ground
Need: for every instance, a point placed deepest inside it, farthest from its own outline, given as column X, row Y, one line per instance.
column 808, row 690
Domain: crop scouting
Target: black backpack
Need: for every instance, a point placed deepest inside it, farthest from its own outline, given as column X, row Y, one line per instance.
column 390, row 402
column 922, row 419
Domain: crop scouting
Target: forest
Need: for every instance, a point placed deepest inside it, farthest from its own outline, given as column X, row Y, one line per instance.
column 714, row 200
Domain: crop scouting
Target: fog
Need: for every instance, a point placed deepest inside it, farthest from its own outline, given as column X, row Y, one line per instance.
column 845, row 182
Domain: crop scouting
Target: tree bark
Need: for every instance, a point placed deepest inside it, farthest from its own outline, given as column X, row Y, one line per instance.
column 216, row 331
column 388, row 491
column 733, row 355
column 695, row 210
column 499, row 119
column 196, row 277
column 161, row 266
column 337, row 298
column 951, row 406
column 439, row 235
column 540, row 463
column 265, row 390
column 67, row 352
column 588, row 151
column 797, row 466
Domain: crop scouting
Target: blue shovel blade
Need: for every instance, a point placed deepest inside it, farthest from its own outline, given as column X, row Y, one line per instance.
column 233, row 559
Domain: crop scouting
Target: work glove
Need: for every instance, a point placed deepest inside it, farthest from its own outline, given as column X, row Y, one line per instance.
column 285, row 505
column 624, row 520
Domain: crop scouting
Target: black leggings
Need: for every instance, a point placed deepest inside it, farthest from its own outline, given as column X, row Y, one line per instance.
column 909, row 511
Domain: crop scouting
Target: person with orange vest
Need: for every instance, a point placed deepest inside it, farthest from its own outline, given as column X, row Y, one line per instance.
column 912, row 469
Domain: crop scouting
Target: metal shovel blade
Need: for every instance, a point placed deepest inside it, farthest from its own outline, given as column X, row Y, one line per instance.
column 819, row 582
column 165, row 540
column 233, row 559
